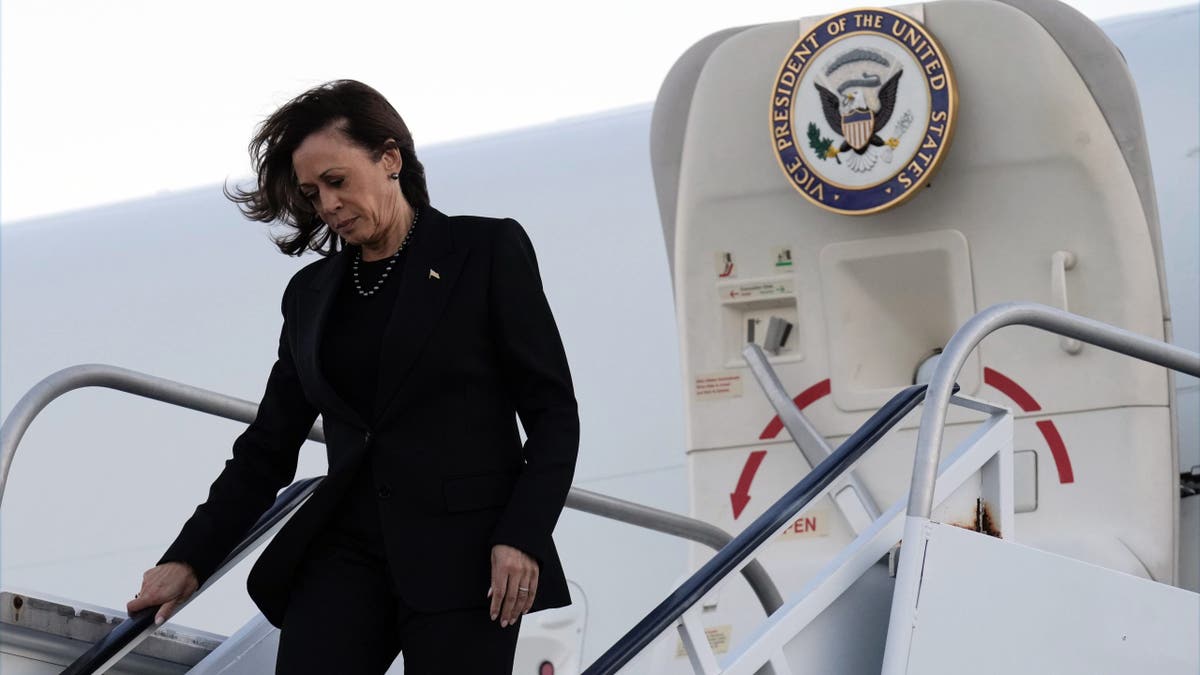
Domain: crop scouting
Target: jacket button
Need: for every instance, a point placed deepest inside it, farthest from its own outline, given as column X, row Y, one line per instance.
column 384, row 492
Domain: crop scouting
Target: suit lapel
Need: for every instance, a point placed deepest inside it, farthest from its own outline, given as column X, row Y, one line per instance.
column 314, row 315
column 429, row 275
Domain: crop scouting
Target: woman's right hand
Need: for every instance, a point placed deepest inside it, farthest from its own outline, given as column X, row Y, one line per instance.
column 169, row 584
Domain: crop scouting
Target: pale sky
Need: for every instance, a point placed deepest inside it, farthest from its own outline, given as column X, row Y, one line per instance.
column 108, row 101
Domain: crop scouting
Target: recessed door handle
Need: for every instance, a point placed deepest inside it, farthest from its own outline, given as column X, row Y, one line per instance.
column 1060, row 263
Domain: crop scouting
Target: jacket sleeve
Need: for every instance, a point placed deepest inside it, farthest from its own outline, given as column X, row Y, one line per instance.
column 264, row 460
column 534, row 367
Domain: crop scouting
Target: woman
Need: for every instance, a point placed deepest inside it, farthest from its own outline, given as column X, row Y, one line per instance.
column 418, row 338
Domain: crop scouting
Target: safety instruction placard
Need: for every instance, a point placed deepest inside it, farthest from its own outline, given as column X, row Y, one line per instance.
column 718, row 640
column 755, row 290
column 718, row 385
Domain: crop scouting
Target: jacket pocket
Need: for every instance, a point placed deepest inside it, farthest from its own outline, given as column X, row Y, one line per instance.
column 470, row 493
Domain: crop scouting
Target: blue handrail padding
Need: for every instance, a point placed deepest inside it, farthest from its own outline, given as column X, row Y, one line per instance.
column 763, row 528
column 129, row 629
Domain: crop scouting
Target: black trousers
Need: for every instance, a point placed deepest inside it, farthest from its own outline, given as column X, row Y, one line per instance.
column 346, row 617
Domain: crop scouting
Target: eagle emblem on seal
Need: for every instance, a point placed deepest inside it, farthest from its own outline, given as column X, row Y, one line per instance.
column 858, row 95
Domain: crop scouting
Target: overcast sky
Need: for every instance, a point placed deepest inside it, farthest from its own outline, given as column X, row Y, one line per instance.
column 108, row 101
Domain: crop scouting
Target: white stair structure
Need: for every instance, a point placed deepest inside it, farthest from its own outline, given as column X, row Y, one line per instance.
column 960, row 593
column 1000, row 607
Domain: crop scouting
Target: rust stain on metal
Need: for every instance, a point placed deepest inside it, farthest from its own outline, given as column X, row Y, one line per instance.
column 987, row 524
column 983, row 521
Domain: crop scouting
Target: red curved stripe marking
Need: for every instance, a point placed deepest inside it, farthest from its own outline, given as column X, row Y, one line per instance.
column 1010, row 389
column 803, row 400
column 1058, row 450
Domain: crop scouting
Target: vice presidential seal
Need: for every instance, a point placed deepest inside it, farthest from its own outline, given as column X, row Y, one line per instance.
column 862, row 111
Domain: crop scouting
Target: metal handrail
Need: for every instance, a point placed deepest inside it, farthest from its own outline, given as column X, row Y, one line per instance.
column 202, row 400
column 757, row 533
column 933, row 419
column 679, row 526
column 121, row 379
column 127, row 634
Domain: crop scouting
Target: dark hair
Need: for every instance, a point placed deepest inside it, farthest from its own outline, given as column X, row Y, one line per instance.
column 367, row 120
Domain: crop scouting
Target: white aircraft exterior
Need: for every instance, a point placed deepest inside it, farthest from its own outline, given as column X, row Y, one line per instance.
column 103, row 480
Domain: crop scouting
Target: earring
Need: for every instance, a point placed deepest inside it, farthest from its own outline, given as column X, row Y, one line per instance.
column 394, row 176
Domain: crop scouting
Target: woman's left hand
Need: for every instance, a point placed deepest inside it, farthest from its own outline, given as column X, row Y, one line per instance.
column 514, row 584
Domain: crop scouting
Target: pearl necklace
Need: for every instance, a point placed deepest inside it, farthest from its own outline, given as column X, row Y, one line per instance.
column 391, row 261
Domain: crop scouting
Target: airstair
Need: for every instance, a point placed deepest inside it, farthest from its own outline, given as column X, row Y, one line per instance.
column 41, row 634
column 918, row 593
column 920, row 589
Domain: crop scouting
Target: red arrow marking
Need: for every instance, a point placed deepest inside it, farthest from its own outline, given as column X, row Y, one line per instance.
column 741, row 496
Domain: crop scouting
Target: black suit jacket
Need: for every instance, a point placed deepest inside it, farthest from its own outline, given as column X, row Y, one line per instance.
column 470, row 345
